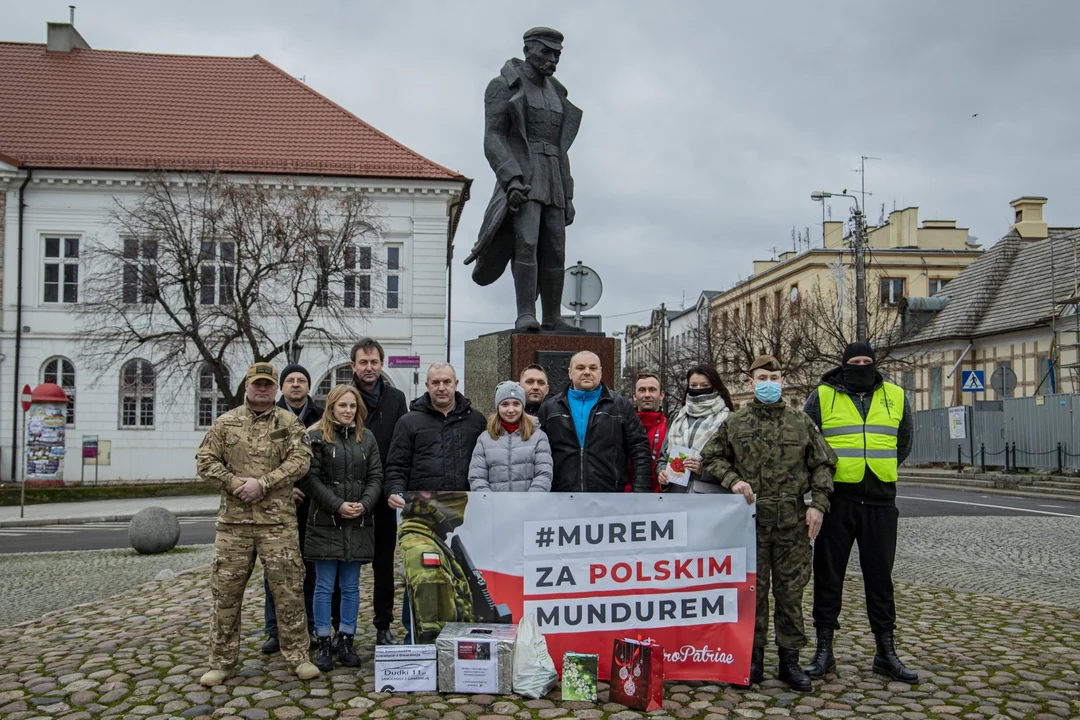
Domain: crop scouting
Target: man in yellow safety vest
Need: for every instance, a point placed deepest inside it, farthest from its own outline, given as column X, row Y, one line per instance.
column 868, row 423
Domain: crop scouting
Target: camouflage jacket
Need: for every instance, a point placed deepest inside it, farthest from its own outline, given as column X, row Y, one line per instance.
column 439, row 593
column 779, row 452
column 272, row 447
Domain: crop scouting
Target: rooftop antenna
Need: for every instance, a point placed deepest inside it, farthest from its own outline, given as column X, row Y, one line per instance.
column 862, row 176
column 71, row 13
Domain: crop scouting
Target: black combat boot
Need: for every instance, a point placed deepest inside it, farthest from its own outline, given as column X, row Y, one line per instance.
column 324, row 658
column 887, row 662
column 345, row 654
column 824, row 661
column 757, row 664
column 272, row 645
column 792, row 673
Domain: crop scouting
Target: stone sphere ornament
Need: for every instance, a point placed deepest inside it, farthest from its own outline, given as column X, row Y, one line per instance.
column 153, row 530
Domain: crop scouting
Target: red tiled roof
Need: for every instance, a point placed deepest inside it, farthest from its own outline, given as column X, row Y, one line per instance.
column 103, row 109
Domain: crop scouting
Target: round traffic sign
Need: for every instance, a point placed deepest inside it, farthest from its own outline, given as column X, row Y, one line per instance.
column 1003, row 381
column 26, row 398
column 582, row 288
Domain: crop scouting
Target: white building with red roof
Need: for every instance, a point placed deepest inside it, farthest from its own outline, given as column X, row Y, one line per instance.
column 79, row 127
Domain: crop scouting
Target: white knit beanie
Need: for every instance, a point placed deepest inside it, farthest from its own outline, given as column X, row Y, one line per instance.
column 509, row 390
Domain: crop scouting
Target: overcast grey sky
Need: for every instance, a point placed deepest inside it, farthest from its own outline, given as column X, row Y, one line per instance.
column 706, row 124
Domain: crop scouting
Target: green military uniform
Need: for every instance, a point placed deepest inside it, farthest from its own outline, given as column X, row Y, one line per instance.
column 438, row 587
column 273, row 447
column 782, row 455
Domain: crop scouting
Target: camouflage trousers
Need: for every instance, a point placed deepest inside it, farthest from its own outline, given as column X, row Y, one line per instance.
column 784, row 560
column 435, row 592
column 235, row 548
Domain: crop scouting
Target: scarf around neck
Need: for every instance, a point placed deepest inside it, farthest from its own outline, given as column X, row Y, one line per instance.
column 697, row 421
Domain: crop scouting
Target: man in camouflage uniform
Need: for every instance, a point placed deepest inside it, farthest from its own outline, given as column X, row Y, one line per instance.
column 438, row 588
column 777, row 454
column 254, row 453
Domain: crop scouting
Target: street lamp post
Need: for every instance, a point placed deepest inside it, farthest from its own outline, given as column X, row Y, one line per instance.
column 860, row 258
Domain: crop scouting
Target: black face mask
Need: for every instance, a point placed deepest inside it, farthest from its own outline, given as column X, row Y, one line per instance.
column 860, row 378
column 698, row 392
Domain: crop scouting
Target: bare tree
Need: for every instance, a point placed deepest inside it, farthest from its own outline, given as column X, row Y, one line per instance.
column 208, row 271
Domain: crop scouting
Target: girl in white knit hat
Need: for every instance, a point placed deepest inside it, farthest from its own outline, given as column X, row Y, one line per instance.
column 513, row 455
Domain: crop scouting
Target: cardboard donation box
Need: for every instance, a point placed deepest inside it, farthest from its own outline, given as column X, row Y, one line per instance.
column 637, row 675
column 405, row 668
column 476, row 658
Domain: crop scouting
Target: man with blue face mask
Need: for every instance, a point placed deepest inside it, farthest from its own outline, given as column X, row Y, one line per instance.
column 775, row 454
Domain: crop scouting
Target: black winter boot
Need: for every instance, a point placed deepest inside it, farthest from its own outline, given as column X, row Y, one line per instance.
column 823, row 661
column 887, row 662
column 791, row 672
column 272, row 645
column 757, row 664
column 324, row 658
column 345, row 654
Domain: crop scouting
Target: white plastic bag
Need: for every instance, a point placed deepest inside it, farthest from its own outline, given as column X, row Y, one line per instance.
column 534, row 670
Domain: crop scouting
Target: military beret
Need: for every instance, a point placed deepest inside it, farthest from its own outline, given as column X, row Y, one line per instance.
column 766, row 362
column 552, row 38
column 262, row 370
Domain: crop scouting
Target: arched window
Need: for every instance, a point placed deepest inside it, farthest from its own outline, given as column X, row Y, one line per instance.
column 137, row 390
column 341, row 375
column 61, row 371
column 209, row 400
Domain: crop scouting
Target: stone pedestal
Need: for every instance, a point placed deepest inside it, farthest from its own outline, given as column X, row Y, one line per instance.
column 492, row 358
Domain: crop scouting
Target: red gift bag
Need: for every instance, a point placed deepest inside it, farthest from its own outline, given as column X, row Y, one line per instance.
column 637, row 675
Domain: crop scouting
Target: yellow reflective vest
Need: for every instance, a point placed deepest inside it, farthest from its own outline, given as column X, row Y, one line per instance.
column 860, row 443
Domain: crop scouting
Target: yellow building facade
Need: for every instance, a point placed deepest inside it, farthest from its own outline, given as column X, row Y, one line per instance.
column 800, row 306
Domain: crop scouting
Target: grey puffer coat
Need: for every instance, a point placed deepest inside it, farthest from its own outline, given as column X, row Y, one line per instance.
column 342, row 470
column 510, row 464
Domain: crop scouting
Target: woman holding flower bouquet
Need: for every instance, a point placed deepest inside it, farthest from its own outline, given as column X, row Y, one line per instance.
column 706, row 404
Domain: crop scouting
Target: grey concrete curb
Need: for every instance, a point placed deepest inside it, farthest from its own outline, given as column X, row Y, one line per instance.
column 42, row 522
column 922, row 482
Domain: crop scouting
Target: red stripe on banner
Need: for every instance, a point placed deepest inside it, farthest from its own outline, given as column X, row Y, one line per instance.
column 715, row 652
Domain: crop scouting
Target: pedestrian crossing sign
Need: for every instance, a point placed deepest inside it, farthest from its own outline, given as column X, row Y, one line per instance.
column 973, row 381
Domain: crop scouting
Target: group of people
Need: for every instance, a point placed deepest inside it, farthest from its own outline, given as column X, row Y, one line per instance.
column 315, row 492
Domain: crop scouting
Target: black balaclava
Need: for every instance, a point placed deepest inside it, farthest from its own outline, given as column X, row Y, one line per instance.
column 859, row 378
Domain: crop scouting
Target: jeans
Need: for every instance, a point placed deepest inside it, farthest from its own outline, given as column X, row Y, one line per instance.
column 347, row 575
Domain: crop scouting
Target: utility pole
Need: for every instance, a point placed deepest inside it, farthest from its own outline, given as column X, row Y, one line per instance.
column 859, row 248
column 663, row 353
column 860, row 275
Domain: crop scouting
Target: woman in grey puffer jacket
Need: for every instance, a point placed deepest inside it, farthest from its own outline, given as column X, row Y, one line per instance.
column 513, row 455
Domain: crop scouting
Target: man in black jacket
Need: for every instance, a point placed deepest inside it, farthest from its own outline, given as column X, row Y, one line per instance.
column 868, row 422
column 385, row 406
column 432, row 446
column 433, row 443
column 594, row 432
column 295, row 386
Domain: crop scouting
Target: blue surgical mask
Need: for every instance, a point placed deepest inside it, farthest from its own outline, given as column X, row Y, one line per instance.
column 767, row 391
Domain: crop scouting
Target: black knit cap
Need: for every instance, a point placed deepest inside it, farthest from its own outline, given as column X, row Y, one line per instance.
column 294, row 368
column 858, row 349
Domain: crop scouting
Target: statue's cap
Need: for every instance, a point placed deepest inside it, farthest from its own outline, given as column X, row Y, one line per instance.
column 552, row 38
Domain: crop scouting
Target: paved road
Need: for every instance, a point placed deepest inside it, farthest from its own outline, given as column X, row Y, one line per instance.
column 93, row 536
column 913, row 503
column 935, row 502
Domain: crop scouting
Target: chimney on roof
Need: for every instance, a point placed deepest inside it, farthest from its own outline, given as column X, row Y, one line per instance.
column 1029, row 222
column 62, row 37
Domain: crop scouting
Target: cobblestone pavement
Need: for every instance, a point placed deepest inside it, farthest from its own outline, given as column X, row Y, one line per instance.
column 982, row 656
column 35, row 583
column 1037, row 558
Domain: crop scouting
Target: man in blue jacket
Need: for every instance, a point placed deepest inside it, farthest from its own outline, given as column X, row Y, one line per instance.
column 595, row 434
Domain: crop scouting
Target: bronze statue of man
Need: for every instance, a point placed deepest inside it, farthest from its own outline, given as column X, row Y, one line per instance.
column 529, row 126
